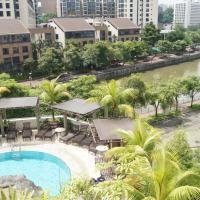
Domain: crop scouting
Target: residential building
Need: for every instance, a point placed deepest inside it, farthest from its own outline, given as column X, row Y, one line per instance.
column 15, row 44
column 46, row 7
column 108, row 8
column 140, row 12
column 186, row 13
column 76, row 29
column 67, row 8
column 18, row 9
column 43, row 34
column 122, row 29
column 101, row 30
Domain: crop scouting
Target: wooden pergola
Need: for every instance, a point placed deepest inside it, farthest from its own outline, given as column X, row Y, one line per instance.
column 78, row 107
column 16, row 103
column 107, row 128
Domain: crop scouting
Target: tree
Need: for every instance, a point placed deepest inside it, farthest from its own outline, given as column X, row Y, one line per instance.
column 153, row 97
column 177, row 34
column 179, row 46
column 51, row 61
column 121, row 51
column 113, row 97
column 90, row 54
column 136, row 48
column 15, row 89
column 28, row 65
column 46, row 17
column 53, row 93
column 176, row 90
column 135, row 82
column 180, row 144
column 165, row 46
column 141, row 141
column 150, row 34
column 191, row 86
column 166, row 17
column 82, row 86
column 72, row 58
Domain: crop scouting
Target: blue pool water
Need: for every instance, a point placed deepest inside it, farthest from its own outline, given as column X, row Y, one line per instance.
column 45, row 170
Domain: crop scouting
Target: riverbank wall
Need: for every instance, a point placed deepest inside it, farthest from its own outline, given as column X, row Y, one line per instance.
column 123, row 71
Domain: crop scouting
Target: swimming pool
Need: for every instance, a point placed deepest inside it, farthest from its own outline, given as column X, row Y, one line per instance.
column 45, row 170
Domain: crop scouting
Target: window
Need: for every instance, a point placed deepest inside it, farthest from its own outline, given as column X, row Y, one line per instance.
column 16, row 60
column 8, row 13
column 17, row 14
column 5, row 51
column 25, row 49
column 7, row 5
column 15, row 50
column 7, row 61
column 1, row 13
column 1, row 6
column 57, row 37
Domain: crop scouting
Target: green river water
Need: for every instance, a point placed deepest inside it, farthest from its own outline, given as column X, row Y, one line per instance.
column 172, row 72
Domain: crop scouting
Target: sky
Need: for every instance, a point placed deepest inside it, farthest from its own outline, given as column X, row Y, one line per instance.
column 166, row 1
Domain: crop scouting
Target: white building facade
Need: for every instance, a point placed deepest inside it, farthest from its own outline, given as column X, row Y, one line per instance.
column 187, row 13
column 141, row 12
column 23, row 10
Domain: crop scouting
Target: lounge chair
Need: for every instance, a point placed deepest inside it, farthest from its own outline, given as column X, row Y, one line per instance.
column 27, row 132
column 41, row 133
column 50, row 134
column 77, row 139
column 87, row 141
column 67, row 137
column 11, row 132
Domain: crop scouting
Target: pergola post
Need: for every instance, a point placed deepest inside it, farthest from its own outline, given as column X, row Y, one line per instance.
column 1, row 123
column 94, row 115
column 65, row 123
column 37, row 112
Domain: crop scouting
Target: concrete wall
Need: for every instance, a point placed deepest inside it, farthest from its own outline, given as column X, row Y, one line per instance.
column 127, row 70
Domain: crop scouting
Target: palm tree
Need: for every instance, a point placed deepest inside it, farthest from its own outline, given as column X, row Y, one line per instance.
column 164, row 179
column 114, row 98
column 53, row 92
column 142, row 140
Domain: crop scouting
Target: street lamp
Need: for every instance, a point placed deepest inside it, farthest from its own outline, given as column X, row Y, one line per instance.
column 30, row 78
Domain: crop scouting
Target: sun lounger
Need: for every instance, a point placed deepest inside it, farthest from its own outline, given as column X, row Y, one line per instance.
column 11, row 132
column 49, row 134
column 11, row 135
column 41, row 133
column 67, row 137
column 27, row 132
column 87, row 141
column 77, row 139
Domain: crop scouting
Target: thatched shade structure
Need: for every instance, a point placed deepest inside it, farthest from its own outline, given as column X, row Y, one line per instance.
column 16, row 103
column 79, row 107
column 107, row 128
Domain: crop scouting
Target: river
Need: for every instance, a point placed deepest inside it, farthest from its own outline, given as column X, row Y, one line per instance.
column 172, row 72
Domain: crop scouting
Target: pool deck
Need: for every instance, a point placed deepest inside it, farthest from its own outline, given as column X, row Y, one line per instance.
column 80, row 161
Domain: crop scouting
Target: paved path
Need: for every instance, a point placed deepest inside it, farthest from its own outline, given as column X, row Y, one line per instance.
column 190, row 122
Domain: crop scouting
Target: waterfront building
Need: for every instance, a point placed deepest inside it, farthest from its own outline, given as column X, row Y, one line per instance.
column 186, row 13
column 121, row 29
column 15, row 44
column 23, row 10
column 76, row 29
